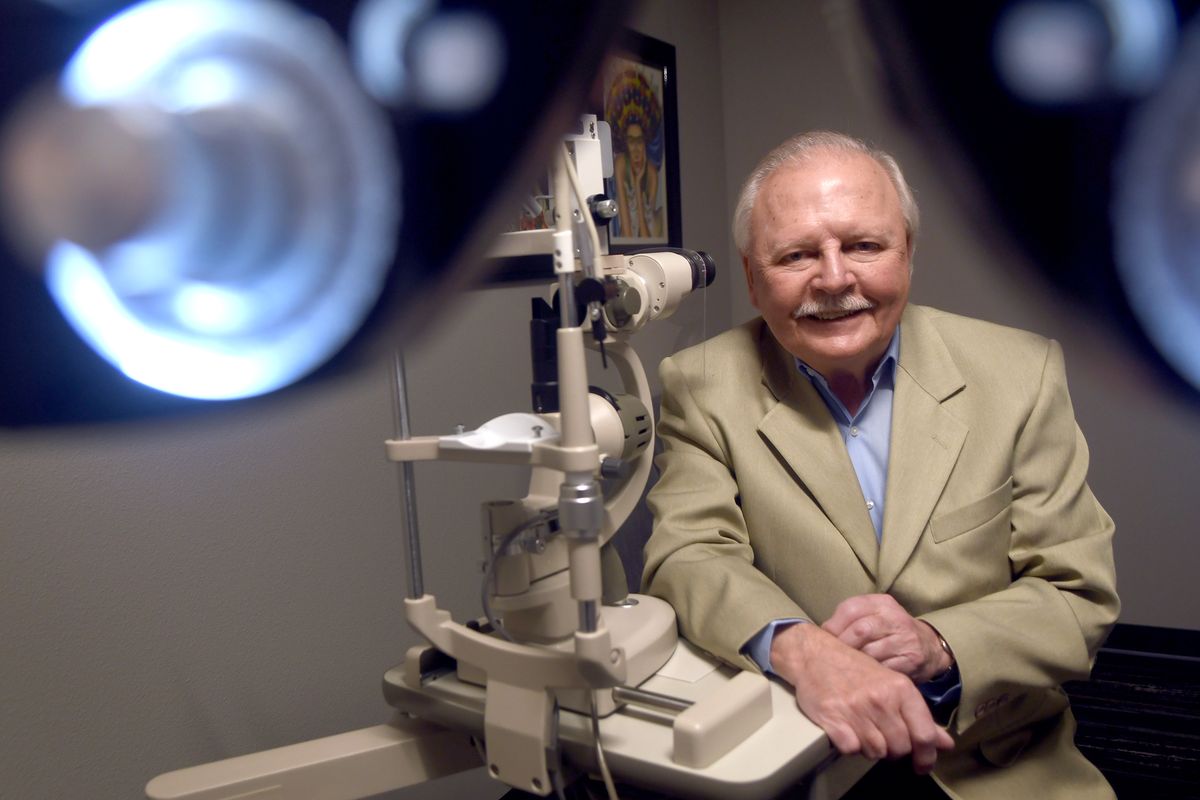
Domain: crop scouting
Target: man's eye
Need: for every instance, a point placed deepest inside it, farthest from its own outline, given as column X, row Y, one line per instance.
column 865, row 247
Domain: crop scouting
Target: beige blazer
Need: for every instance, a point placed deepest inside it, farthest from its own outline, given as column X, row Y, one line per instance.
column 990, row 532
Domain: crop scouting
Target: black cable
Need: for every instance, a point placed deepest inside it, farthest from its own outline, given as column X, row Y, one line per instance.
column 490, row 570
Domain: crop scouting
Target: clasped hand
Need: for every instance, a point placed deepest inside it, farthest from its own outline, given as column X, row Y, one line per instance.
column 878, row 626
column 855, row 677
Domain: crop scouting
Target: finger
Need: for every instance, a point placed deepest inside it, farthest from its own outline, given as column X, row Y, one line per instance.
column 875, row 743
column 844, row 739
column 924, row 757
column 923, row 762
column 849, row 611
column 894, row 729
column 840, row 620
column 889, row 654
column 863, row 632
column 886, row 645
column 845, row 635
column 924, row 733
column 879, row 611
column 885, row 654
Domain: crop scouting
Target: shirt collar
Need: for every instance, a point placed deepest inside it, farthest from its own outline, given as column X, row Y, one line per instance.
column 884, row 372
column 887, row 364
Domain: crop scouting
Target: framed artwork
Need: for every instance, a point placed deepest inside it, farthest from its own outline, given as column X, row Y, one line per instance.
column 635, row 94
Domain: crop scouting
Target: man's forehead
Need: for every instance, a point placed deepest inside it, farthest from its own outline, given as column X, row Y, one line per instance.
column 815, row 182
column 825, row 168
column 812, row 184
column 800, row 200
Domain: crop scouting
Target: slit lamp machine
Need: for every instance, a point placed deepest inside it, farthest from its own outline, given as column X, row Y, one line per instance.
column 240, row 230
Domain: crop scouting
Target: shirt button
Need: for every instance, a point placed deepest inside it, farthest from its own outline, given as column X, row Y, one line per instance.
column 854, row 430
column 870, row 504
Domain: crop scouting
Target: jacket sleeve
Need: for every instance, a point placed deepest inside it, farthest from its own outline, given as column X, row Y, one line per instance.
column 1046, row 626
column 699, row 557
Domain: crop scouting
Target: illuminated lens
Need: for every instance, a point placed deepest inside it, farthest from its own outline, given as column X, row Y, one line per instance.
column 1156, row 214
column 278, row 214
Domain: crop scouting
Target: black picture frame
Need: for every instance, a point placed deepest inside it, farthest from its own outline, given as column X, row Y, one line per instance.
column 638, row 75
column 655, row 60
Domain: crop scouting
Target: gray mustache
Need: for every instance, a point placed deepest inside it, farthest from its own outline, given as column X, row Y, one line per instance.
column 832, row 305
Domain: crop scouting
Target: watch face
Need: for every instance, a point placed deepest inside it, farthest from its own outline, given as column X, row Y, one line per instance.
column 1081, row 122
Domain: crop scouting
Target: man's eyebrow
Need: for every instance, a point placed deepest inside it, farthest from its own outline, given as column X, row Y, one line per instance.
column 870, row 227
column 792, row 243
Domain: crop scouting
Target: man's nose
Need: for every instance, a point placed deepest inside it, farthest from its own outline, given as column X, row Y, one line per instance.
column 833, row 276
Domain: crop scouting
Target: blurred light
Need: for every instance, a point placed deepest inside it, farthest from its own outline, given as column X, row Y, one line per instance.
column 1191, row 184
column 275, row 190
column 171, row 363
column 115, row 58
column 207, row 83
column 1156, row 213
column 1053, row 52
column 458, row 61
column 211, row 309
column 449, row 61
column 379, row 34
column 1144, row 37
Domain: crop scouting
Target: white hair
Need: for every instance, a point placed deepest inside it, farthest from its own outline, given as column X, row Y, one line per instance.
column 798, row 149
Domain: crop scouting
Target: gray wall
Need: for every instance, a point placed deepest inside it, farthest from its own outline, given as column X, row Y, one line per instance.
column 177, row 591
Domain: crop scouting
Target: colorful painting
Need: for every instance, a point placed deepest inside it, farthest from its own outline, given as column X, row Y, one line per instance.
column 637, row 100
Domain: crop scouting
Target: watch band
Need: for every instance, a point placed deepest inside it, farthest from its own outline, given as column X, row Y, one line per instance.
column 946, row 649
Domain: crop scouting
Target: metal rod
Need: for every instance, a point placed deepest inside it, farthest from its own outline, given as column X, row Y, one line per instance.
column 641, row 697
column 564, row 241
column 408, row 486
column 566, row 299
column 589, row 616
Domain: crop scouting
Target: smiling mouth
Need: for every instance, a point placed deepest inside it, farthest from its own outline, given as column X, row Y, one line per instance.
column 829, row 316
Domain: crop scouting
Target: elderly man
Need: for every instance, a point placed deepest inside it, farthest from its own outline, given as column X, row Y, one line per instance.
column 882, row 504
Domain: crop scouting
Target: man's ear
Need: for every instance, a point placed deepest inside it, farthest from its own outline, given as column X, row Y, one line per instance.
column 750, row 280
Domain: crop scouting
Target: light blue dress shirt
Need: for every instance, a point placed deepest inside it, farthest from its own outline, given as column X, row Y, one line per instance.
column 867, row 435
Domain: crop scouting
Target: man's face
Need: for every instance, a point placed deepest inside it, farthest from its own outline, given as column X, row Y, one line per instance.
column 828, row 263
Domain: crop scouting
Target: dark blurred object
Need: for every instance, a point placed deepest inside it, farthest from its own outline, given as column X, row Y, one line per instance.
column 1139, row 712
column 1075, row 115
column 460, row 165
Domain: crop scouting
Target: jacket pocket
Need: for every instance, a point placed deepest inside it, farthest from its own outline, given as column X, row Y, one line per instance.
column 973, row 515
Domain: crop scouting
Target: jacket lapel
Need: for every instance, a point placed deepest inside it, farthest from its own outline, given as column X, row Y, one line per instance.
column 802, row 431
column 926, row 440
